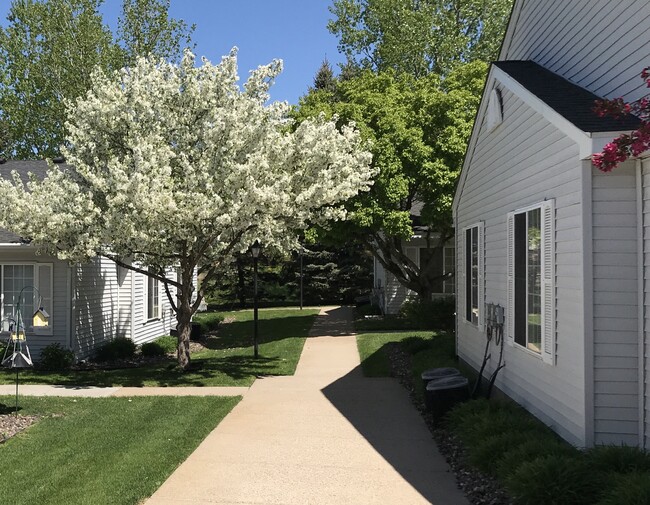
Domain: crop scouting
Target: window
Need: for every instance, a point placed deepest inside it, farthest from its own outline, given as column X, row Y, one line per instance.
column 17, row 278
column 153, row 298
column 443, row 259
column 473, row 273
column 531, row 294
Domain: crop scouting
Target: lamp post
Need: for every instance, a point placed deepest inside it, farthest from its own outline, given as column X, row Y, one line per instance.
column 255, row 251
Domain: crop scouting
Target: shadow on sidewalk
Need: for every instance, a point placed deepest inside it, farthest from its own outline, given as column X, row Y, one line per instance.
column 337, row 322
column 381, row 412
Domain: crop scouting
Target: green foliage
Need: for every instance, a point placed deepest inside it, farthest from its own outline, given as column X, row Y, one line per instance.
column 159, row 347
column 417, row 129
column 146, row 28
column 418, row 37
column 48, row 50
column 620, row 459
column 209, row 321
column 632, row 489
column 118, row 348
column 414, row 345
column 436, row 314
column 56, row 357
column 532, row 449
column 555, row 479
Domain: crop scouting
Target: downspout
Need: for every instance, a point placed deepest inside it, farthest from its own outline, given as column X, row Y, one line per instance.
column 640, row 300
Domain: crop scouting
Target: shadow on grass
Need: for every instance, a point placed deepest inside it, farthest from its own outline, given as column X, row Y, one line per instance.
column 240, row 333
column 229, row 369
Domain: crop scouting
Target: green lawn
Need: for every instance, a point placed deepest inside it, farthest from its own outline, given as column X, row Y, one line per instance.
column 109, row 450
column 428, row 349
column 227, row 362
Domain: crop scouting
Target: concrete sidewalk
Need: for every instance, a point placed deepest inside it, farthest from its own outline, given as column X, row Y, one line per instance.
column 326, row 435
column 103, row 392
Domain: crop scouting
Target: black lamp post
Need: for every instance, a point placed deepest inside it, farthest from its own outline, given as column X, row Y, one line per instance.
column 255, row 251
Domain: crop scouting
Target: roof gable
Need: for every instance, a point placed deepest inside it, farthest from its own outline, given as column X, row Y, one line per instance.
column 566, row 98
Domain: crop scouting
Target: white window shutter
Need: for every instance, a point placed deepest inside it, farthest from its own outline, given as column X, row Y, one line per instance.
column 510, row 289
column 481, row 275
column 412, row 254
column 44, row 282
column 548, row 282
column 461, row 295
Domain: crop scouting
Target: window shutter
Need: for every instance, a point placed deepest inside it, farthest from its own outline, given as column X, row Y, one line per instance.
column 481, row 275
column 460, row 275
column 44, row 279
column 548, row 282
column 510, row 289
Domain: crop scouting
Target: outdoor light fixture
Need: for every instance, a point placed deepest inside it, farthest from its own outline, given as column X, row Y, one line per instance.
column 256, row 248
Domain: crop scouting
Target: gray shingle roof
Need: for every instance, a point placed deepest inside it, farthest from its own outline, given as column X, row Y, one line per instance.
column 24, row 168
column 569, row 100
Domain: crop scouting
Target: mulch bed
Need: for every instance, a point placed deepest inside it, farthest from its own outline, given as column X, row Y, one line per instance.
column 11, row 424
column 480, row 489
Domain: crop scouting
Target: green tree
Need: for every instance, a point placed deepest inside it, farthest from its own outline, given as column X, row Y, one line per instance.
column 48, row 52
column 418, row 128
column 418, row 36
column 146, row 28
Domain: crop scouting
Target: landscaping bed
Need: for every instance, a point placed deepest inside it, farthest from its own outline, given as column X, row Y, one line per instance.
column 12, row 424
column 500, row 453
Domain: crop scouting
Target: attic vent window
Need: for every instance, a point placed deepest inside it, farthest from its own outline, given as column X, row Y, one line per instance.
column 494, row 110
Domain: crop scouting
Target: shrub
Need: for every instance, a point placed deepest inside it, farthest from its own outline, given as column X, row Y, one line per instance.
column 484, row 454
column 436, row 314
column 555, row 479
column 631, row 489
column 620, row 459
column 414, row 345
column 118, row 348
column 535, row 448
column 56, row 357
column 159, row 347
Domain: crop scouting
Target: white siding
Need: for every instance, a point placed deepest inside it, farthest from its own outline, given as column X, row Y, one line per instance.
column 144, row 329
column 61, row 303
column 615, row 311
column 96, row 305
column 509, row 170
column 598, row 44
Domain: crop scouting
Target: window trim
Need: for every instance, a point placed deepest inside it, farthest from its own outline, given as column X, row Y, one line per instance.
column 547, row 280
column 480, row 306
column 450, row 245
column 147, row 290
column 37, row 293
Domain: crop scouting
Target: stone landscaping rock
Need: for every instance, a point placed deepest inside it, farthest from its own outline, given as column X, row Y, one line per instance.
column 11, row 424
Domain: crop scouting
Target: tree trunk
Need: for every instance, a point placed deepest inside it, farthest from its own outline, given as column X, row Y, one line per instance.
column 241, row 283
column 184, row 312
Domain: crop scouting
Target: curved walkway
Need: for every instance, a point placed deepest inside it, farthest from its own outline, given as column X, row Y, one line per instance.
column 326, row 435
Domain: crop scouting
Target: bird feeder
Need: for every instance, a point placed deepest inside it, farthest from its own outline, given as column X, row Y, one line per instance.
column 40, row 318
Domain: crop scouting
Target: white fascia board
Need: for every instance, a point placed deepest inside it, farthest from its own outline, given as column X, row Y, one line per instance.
column 13, row 245
column 473, row 138
column 510, row 30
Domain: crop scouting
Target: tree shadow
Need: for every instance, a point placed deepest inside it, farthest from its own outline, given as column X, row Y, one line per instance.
column 380, row 410
column 240, row 333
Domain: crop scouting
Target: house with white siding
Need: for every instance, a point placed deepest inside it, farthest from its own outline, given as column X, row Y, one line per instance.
column 562, row 247
column 390, row 294
column 88, row 304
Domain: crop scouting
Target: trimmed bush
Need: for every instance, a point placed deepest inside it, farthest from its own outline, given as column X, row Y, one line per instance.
column 414, row 345
column 487, row 451
column 56, row 357
column 535, row 448
column 555, row 480
column 436, row 314
column 631, row 489
column 620, row 459
column 118, row 348
column 159, row 347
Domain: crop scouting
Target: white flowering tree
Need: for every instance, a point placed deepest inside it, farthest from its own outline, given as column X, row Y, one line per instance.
column 176, row 166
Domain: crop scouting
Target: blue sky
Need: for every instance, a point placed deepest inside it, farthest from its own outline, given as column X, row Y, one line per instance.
column 293, row 30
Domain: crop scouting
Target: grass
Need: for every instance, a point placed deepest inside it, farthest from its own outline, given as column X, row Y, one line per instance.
column 228, row 361
column 109, row 450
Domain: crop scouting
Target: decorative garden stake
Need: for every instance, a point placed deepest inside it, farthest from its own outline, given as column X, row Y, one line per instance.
column 17, row 353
